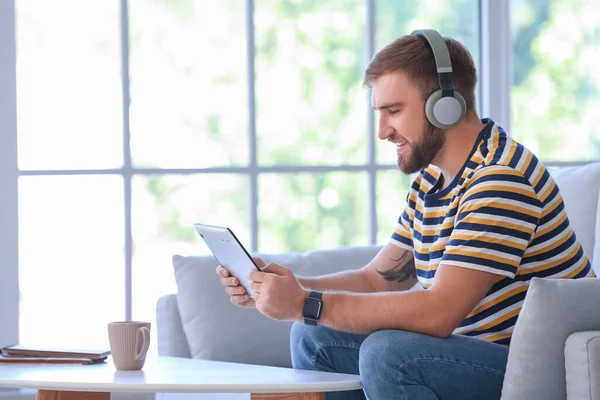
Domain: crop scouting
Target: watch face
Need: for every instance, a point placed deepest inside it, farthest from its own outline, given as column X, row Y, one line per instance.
column 313, row 308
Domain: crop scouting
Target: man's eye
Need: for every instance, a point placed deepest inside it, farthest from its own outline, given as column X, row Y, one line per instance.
column 394, row 112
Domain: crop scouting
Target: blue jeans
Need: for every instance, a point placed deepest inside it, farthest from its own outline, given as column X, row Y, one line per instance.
column 403, row 365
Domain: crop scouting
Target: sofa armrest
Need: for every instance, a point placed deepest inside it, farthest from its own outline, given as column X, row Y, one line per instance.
column 582, row 362
column 172, row 341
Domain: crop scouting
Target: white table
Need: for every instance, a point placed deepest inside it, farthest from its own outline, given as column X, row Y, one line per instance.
column 169, row 374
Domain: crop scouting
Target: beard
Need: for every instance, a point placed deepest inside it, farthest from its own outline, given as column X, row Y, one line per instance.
column 421, row 153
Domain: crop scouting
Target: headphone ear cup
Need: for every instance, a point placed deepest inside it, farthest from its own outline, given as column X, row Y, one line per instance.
column 431, row 100
column 445, row 112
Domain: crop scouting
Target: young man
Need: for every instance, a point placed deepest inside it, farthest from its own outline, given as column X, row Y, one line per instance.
column 483, row 217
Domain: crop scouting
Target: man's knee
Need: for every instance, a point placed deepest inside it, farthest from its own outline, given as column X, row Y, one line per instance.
column 324, row 349
column 303, row 341
column 387, row 348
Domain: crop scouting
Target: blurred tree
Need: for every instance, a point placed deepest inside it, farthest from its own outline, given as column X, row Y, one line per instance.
column 317, row 115
column 327, row 49
column 161, row 31
column 327, row 46
column 555, row 88
column 527, row 19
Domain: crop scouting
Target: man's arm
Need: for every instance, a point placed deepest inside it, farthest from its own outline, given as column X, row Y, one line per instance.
column 436, row 311
column 486, row 245
column 392, row 270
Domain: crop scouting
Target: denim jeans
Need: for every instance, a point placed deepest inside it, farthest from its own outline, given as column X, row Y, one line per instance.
column 403, row 365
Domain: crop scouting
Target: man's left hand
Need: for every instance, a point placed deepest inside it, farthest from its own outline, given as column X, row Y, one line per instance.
column 278, row 293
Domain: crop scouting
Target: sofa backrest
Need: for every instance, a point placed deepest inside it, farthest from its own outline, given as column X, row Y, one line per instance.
column 217, row 330
column 580, row 189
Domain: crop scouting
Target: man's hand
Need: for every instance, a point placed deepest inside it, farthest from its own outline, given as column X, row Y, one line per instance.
column 238, row 293
column 279, row 295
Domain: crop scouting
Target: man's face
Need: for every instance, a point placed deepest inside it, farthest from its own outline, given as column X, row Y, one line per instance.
column 402, row 121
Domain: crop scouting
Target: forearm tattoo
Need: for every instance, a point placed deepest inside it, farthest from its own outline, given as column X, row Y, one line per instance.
column 403, row 270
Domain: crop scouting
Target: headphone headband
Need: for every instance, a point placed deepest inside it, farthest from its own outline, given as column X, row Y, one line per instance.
column 440, row 50
column 441, row 57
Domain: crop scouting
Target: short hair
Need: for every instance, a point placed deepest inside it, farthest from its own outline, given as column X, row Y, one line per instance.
column 412, row 55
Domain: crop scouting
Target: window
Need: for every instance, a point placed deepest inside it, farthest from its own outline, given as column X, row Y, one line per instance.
column 555, row 94
column 139, row 118
column 71, row 235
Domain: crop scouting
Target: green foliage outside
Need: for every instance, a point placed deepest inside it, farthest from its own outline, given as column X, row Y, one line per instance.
column 555, row 96
column 321, row 119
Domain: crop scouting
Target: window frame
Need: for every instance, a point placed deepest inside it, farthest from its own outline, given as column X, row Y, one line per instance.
column 494, row 99
column 9, row 246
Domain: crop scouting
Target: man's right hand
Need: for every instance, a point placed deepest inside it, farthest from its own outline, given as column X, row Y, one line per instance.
column 234, row 289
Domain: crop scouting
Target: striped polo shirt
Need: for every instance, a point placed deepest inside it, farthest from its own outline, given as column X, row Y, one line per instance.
column 504, row 214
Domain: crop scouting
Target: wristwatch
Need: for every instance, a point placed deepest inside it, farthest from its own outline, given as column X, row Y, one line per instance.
column 313, row 306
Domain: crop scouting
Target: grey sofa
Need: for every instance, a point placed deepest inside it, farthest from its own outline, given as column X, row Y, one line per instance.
column 200, row 322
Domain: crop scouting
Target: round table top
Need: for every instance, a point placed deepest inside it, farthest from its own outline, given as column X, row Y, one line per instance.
column 170, row 374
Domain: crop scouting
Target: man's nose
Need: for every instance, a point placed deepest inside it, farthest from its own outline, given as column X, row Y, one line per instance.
column 384, row 131
column 383, row 134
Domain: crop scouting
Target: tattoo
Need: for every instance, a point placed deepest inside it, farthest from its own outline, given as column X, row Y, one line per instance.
column 403, row 270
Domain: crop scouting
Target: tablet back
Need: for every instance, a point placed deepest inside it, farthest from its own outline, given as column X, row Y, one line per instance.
column 229, row 252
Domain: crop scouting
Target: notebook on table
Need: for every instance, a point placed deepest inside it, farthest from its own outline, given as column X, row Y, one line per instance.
column 18, row 353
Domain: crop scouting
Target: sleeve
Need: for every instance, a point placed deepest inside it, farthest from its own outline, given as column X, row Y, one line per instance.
column 496, row 219
column 402, row 236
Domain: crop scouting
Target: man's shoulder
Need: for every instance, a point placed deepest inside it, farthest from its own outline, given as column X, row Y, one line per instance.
column 506, row 159
column 524, row 182
column 500, row 177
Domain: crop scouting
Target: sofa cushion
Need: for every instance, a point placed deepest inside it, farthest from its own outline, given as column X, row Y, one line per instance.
column 580, row 187
column 218, row 330
column 171, row 338
column 582, row 361
column 553, row 309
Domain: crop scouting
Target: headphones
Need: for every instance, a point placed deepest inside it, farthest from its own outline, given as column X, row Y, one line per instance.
column 445, row 107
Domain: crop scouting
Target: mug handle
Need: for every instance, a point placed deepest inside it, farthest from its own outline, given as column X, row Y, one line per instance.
column 145, row 334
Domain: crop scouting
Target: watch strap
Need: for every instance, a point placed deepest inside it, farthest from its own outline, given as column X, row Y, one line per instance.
column 314, row 295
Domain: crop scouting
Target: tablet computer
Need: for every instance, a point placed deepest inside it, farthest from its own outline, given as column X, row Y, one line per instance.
column 229, row 252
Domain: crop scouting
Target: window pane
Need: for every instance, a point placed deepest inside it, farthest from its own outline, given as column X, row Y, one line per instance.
column 71, row 260
column 309, row 65
column 165, row 208
column 68, row 84
column 307, row 211
column 555, row 95
column 188, row 83
column 458, row 19
column 392, row 188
